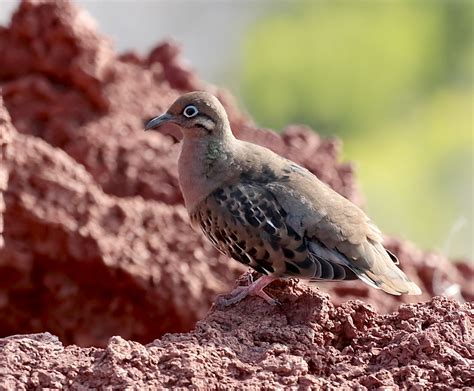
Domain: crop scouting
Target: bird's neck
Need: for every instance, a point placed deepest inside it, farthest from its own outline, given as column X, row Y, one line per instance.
column 203, row 165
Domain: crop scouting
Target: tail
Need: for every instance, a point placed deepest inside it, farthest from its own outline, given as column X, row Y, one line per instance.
column 383, row 272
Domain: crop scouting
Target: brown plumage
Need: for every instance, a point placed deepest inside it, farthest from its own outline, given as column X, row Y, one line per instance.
column 267, row 212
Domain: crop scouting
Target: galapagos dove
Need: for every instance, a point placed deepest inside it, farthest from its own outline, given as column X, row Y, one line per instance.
column 269, row 213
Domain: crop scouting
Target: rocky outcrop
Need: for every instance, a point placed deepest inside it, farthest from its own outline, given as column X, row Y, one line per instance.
column 305, row 343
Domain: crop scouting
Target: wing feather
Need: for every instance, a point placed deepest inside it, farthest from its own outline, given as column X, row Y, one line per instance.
column 341, row 227
column 246, row 222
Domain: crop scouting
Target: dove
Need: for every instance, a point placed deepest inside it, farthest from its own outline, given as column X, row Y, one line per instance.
column 269, row 213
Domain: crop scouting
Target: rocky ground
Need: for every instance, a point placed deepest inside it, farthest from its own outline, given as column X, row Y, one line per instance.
column 306, row 342
column 96, row 243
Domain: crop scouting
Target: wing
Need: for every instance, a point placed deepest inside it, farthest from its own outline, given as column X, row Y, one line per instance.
column 246, row 222
column 338, row 228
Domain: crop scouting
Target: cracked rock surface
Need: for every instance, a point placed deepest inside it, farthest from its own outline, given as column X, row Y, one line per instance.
column 305, row 343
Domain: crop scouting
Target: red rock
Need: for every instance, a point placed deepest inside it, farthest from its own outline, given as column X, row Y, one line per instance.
column 175, row 70
column 6, row 132
column 305, row 343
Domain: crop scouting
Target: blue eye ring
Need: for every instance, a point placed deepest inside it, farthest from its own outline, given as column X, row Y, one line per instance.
column 190, row 111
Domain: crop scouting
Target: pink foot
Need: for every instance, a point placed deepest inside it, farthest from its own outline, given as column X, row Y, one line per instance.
column 254, row 289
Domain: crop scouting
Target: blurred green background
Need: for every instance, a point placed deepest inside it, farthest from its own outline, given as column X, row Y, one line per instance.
column 393, row 79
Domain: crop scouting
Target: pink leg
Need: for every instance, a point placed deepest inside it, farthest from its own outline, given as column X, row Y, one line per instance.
column 254, row 289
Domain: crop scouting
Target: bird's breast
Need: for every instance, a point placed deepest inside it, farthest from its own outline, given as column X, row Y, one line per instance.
column 199, row 175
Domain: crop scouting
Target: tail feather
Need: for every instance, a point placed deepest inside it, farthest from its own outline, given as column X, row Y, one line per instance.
column 374, row 266
column 384, row 274
column 398, row 286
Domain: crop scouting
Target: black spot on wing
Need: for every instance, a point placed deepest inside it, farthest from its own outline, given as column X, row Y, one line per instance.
column 274, row 243
column 269, row 229
column 237, row 194
column 302, row 247
column 260, row 269
column 239, row 257
column 220, row 195
column 292, row 269
column 269, row 174
column 251, row 219
column 265, row 265
column 305, row 264
column 264, row 176
column 283, row 212
column 219, row 236
column 292, row 233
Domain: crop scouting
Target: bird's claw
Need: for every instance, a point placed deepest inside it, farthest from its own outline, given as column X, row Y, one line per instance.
column 255, row 288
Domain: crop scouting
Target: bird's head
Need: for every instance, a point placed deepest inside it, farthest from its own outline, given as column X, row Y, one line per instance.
column 197, row 114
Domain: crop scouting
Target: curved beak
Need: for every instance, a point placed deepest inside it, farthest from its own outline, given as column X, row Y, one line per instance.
column 156, row 122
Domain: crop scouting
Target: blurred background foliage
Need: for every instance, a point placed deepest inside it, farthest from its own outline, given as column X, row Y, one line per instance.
column 393, row 79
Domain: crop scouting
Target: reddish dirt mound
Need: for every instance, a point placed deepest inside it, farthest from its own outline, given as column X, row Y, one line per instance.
column 305, row 343
column 96, row 240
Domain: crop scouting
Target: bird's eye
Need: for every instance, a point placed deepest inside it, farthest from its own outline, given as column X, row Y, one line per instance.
column 190, row 111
